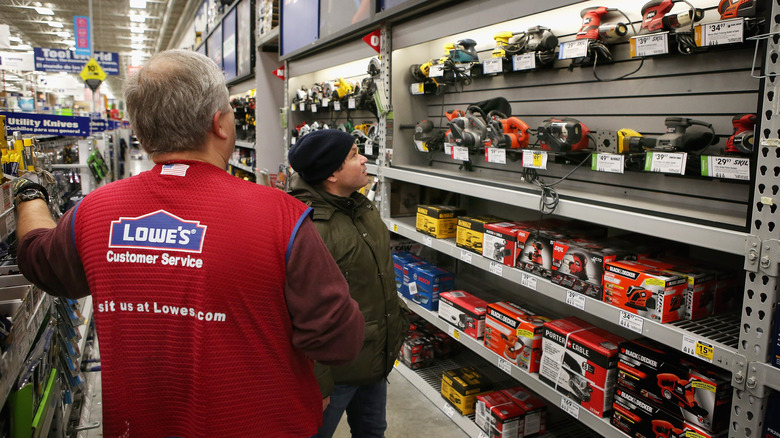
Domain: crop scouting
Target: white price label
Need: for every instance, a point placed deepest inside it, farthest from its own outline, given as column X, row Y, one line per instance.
column 448, row 148
column 570, row 407
column 495, row 155
column 455, row 333
column 448, row 409
column 573, row 49
column 10, row 223
column 314, row 107
column 725, row 167
column 337, row 105
column 496, row 268
column 369, row 148
column 351, row 103
column 648, row 45
column 504, row 365
column 612, row 163
column 465, row 67
column 292, row 107
column 666, row 162
column 465, row 255
column 325, row 102
column 460, row 153
column 436, row 71
column 698, row 348
column 413, row 288
column 526, row 61
column 482, row 434
column 535, row 159
column 722, row 32
column 428, row 241
column 302, row 106
column 575, row 299
column 528, row 281
column 492, row 65
column 630, row 321
column 417, row 88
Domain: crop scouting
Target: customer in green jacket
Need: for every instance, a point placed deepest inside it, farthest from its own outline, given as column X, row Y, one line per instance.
column 330, row 171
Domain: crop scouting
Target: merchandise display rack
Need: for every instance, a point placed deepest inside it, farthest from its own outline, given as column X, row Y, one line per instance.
column 245, row 144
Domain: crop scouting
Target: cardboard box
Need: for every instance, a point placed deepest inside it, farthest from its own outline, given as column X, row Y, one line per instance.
column 470, row 233
column 535, row 256
column 640, row 418
column 400, row 259
column 515, row 334
column 645, row 290
column 580, row 361
column 417, row 351
column 464, row 311
column 407, row 277
column 700, row 293
column 439, row 221
column 729, row 291
column 461, row 386
column 579, row 265
column 427, row 282
column 500, row 241
column 535, row 410
column 772, row 422
column 499, row 416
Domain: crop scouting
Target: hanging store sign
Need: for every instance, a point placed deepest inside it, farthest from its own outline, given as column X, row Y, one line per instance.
column 46, row 124
column 98, row 125
column 81, row 28
column 17, row 61
column 69, row 62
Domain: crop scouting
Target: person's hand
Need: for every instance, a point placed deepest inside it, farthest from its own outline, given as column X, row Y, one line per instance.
column 31, row 180
column 325, row 403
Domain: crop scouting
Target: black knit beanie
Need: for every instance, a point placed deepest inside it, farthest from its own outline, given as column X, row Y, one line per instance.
column 318, row 154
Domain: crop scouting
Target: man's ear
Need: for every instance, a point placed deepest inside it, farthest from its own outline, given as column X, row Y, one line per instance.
column 216, row 125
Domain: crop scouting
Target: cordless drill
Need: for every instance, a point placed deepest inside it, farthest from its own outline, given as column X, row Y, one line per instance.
column 741, row 141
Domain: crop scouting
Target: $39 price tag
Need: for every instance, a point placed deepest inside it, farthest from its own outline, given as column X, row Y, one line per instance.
column 573, row 49
column 570, row 407
column 575, row 299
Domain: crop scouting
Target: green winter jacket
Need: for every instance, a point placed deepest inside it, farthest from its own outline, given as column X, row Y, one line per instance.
column 359, row 241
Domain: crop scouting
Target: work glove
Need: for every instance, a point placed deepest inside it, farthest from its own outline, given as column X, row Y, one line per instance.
column 33, row 180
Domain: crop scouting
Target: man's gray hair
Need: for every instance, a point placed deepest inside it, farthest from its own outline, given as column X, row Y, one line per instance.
column 172, row 99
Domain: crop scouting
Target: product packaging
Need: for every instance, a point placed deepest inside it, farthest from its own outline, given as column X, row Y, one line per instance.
column 470, row 233
column 515, row 334
column 439, row 221
column 645, row 290
column 464, row 311
column 417, row 351
column 579, row 265
column 427, row 282
column 500, row 241
column 535, row 410
column 461, row 386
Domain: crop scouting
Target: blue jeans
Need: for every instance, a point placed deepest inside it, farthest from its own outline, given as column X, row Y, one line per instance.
column 365, row 407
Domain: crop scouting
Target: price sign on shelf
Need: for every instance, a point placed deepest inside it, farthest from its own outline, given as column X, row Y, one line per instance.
column 460, row 153
column 482, row 434
column 504, row 365
column 336, row 105
column 612, row 163
column 648, row 45
column 528, row 281
column 725, row 167
column 573, row 49
column 351, row 103
column 630, row 321
column 496, row 268
column 535, row 159
column 492, row 66
column 465, row 256
column 455, row 333
column 369, row 147
column 314, row 107
column 526, row 61
column 302, row 106
column 395, row 364
column 448, row 409
column 495, row 155
column 325, row 102
column 570, row 407
column 666, row 162
column 575, row 299
column 448, row 148
column 721, row 32
column 427, row 241
column 698, row 348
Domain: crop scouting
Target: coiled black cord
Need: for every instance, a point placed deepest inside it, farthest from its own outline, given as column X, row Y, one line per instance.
column 549, row 199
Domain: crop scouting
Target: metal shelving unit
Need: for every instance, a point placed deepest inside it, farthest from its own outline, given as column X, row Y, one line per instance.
column 245, row 144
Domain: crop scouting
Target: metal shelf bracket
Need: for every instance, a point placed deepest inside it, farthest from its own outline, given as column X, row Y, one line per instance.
column 739, row 371
column 770, row 257
column 753, row 251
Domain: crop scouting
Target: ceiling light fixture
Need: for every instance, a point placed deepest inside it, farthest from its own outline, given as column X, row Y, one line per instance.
column 138, row 4
column 137, row 29
column 15, row 39
column 63, row 34
column 54, row 24
column 44, row 11
column 138, row 18
column 138, row 46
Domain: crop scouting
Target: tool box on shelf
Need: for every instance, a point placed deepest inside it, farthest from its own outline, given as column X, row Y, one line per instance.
column 464, row 311
column 645, row 290
column 515, row 334
column 439, row 221
column 471, row 230
column 461, row 386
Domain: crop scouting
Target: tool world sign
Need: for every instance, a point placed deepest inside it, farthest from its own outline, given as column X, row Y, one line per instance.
column 54, row 60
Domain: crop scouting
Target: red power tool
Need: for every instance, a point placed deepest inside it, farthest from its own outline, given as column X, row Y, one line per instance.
column 592, row 28
column 656, row 17
column 665, row 429
column 737, row 8
column 508, row 132
column 681, row 392
column 741, row 141
column 563, row 135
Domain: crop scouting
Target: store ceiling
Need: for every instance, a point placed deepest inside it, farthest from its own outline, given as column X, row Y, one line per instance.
column 112, row 26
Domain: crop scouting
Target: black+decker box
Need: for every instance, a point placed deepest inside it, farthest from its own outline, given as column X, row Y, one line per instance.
column 439, row 221
column 464, row 311
column 645, row 290
column 461, row 386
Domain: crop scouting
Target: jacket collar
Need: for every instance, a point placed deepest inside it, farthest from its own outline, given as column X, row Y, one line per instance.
column 325, row 204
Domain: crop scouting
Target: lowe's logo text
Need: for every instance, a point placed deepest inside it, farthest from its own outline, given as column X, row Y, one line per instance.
column 158, row 230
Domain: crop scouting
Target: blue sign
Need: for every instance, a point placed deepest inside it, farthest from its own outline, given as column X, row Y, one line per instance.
column 98, row 125
column 300, row 19
column 81, row 29
column 69, row 62
column 114, row 124
column 46, row 124
column 159, row 230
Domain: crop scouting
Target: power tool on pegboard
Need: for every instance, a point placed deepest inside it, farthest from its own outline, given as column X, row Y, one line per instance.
column 366, row 139
column 341, row 89
column 428, row 138
column 467, row 129
column 507, row 132
column 657, row 17
column 677, row 137
column 537, row 39
column 459, row 62
column 301, row 97
column 598, row 35
column 622, row 141
column 741, row 141
column 563, row 135
column 750, row 10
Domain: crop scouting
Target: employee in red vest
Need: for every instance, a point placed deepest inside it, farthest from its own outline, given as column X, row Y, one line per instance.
column 212, row 295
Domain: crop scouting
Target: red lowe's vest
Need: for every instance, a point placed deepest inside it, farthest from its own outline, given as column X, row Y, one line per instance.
column 187, row 273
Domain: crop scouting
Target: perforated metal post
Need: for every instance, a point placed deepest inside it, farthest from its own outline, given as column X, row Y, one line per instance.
column 762, row 255
column 385, row 120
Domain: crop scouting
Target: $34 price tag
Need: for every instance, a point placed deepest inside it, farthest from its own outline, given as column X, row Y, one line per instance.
column 630, row 321
column 697, row 348
column 570, row 407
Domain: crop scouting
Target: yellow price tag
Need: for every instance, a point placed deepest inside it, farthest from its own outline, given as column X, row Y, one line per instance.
column 456, row 334
column 396, row 363
column 705, row 351
column 395, row 228
column 421, row 88
column 537, row 159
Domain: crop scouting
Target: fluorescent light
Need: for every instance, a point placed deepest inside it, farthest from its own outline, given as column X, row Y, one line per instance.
column 138, row 4
column 23, row 47
column 138, row 18
column 139, row 53
column 136, row 38
column 138, row 46
column 137, row 29
column 63, row 34
column 15, row 39
column 54, row 24
column 69, row 42
column 44, row 11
